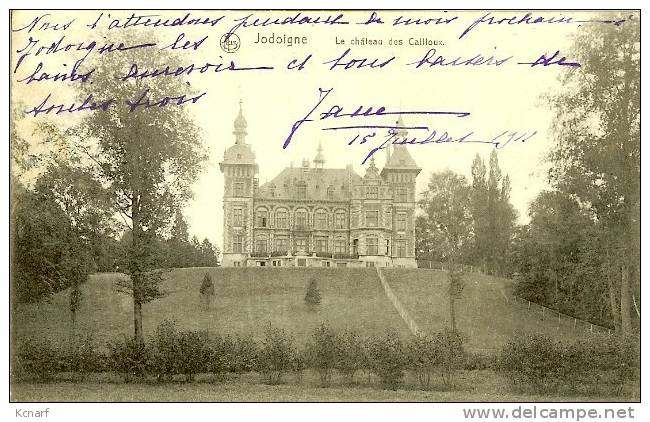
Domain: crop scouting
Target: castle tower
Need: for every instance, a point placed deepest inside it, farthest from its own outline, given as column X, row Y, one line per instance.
column 371, row 210
column 400, row 173
column 319, row 160
column 240, row 182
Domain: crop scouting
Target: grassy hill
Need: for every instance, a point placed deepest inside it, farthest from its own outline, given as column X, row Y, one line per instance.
column 247, row 299
column 485, row 313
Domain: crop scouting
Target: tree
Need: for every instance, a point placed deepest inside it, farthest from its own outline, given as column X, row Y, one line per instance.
column 147, row 157
column 446, row 226
column 446, row 203
column 312, row 297
column 39, row 239
column 597, row 155
column 209, row 254
column 88, row 218
column 562, row 260
column 21, row 160
column 493, row 215
column 455, row 290
column 179, row 230
column 74, row 304
column 480, row 217
column 276, row 354
column 322, row 352
column 179, row 251
column 207, row 290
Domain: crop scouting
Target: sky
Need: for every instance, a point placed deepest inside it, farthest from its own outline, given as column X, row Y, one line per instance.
column 497, row 98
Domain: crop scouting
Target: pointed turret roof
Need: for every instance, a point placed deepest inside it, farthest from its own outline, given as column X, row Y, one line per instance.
column 240, row 126
column 400, row 158
column 319, row 160
column 240, row 152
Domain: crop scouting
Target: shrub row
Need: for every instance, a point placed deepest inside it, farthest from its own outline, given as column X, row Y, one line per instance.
column 530, row 361
column 543, row 363
column 170, row 352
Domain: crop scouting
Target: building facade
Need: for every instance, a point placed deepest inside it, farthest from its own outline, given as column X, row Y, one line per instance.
column 316, row 216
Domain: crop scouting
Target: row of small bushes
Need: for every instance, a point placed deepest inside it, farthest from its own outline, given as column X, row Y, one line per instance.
column 386, row 356
column 534, row 362
column 542, row 363
column 170, row 352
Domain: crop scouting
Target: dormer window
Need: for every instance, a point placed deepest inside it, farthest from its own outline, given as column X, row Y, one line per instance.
column 330, row 192
column 301, row 191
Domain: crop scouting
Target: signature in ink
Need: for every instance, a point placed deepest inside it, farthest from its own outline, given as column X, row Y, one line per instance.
column 361, row 111
column 437, row 136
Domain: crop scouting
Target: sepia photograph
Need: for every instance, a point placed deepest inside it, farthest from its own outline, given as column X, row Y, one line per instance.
column 346, row 206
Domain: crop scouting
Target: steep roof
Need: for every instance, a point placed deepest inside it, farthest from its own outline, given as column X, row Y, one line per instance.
column 239, row 154
column 317, row 182
column 400, row 158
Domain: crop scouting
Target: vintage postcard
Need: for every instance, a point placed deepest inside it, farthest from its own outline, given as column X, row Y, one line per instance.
column 326, row 206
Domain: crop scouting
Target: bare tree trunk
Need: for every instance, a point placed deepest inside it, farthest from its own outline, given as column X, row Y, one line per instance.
column 136, row 267
column 626, row 320
column 452, row 312
column 613, row 304
column 137, row 321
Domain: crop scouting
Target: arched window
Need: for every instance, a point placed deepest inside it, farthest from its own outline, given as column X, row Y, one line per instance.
column 300, row 220
column 261, row 217
column 339, row 220
column 320, row 220
column 281, row 219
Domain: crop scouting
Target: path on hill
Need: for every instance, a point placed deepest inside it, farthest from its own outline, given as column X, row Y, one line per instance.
column 401, row 310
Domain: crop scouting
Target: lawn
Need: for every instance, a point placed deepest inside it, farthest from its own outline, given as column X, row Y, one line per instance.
column 470, row 386
column 485, row 313
column 246, row 301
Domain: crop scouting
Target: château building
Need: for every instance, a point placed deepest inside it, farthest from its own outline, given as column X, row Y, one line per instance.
column 316, row 216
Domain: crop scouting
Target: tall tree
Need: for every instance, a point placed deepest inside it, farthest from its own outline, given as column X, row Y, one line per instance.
column 89, row 217
column 446, row 203
column 447, row 220
column 479, row 203
column 209, row 254
column 147, row 157
column 597, row 155
column 493, row 215
column 561, row 260
column 180, row 252
column 179, row 231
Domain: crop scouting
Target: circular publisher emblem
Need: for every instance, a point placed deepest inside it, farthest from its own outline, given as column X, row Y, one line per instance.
column 230, row 42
